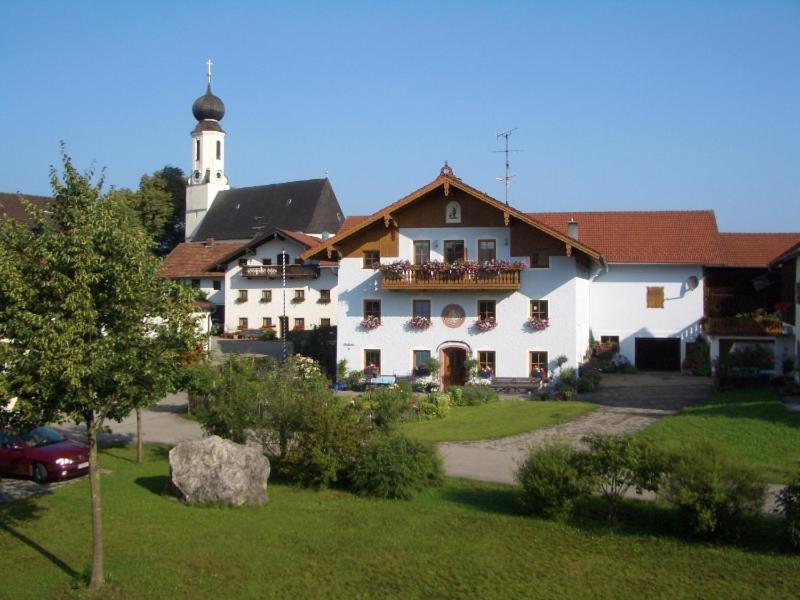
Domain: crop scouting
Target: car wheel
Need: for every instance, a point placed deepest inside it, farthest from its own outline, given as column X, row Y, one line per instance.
column 39, row 473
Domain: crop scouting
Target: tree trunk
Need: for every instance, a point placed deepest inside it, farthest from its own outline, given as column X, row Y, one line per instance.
column 97, row 580
column 139, row 451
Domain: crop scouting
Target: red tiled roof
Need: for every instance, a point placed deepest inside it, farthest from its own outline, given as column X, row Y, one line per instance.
column 351, row 222
column 656, row 237
column 754, row 250
column 196, row 259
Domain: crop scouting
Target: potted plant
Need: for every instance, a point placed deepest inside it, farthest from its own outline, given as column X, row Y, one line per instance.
column 537, row 324
column 486, row 324
column 419, row 322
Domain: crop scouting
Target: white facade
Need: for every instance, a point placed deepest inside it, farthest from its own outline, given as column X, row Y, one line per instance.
column 618, row 304
column 314, row 310
column 207, row 177
column 214, row 287
column 512, row 341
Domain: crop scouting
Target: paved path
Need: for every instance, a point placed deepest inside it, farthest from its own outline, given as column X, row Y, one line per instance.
column 161, row 423
column 629, row 403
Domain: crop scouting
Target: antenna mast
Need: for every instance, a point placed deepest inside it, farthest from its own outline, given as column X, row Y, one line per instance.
column 508, row 177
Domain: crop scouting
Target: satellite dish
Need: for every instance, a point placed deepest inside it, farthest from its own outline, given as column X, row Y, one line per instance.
column 692, row 282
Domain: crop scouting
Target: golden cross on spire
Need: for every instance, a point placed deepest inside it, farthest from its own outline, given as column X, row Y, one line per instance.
column 209, row 64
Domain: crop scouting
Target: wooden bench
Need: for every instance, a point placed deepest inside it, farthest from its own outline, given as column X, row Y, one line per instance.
column 514, row 385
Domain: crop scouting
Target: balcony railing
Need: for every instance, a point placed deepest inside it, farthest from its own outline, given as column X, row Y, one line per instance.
column 276, row 271
column 742, row 326
column 417, row 278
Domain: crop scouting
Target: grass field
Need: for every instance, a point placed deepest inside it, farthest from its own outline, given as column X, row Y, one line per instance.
column 753, row 424
column 495, row 420
column 464, row 540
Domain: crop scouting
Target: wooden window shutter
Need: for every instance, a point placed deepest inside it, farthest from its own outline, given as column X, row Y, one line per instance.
column 655, row 297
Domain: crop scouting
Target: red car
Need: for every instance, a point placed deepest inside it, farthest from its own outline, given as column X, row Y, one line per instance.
column 42, row 454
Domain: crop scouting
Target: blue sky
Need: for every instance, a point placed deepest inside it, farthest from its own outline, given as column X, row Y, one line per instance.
column 618, row 105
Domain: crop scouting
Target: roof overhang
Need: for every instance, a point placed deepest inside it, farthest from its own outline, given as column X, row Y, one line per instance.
column 385, row 215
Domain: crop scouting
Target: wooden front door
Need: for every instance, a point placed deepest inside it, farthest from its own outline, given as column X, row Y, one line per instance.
column 453, row 371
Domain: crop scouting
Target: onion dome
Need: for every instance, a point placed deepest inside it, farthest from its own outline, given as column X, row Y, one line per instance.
column 208, row 106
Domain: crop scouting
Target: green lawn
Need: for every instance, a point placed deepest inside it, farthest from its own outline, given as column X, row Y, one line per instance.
column 464, row 540
column 753, row 424
column 495, row 420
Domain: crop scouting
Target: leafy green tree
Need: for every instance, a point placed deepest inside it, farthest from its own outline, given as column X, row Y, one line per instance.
column 90, row 333
column 159, row 205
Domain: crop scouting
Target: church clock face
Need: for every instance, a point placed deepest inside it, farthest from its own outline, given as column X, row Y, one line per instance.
column 197, row 175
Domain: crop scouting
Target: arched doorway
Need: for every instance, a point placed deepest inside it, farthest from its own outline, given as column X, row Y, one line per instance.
column 453, row 369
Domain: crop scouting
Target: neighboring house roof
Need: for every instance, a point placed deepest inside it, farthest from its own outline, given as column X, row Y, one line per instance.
column 755, row 250
column 651, row 237
column 355, row 224
column 196, row 259
column 12, row 207
column 792, row 252
column 307, row 241
column 242, row 213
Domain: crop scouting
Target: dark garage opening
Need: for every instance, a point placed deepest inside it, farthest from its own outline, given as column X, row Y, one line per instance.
column 658, row 354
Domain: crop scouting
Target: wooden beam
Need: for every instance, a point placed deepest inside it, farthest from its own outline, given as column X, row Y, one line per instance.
column 569, row 250
column 446, row 188
column 506, row 218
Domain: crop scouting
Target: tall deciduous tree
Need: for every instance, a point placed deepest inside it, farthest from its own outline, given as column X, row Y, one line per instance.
column 89, row 332
column 159, row 205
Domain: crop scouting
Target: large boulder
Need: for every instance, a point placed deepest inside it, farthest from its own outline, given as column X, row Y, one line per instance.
column 215, row 470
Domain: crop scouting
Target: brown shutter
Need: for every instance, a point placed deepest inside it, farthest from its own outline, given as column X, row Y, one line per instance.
column 655, row 297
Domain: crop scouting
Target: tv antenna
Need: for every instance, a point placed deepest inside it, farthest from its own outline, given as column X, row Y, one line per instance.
column 508, row 177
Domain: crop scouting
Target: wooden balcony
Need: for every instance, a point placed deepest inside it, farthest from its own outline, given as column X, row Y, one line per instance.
column 276, row 271
column 742, row 326
column 418, row 279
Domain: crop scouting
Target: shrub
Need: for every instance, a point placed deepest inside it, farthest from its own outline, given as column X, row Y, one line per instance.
column 628, row 369
column 585, row 384
column 616, row 464
column 789, row 503
column 435, row 406
column 391, row 465
column 472, row 395
column 290, row 410
column 698, row 358
column 713, row 494
column 568, row 378
column 267, row 334
column 551, row 480
column 479, row 394
column 388, row 406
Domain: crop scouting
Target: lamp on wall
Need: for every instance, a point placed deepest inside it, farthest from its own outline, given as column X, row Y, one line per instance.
column 505, row 241
column 436, row 244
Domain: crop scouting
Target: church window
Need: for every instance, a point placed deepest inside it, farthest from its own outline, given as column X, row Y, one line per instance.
column 197, row 150
column 219, row 150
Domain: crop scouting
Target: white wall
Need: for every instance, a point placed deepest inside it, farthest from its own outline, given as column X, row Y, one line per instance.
column 618, row 304
column 511, row 339
column 311, row 309
column 207, row 285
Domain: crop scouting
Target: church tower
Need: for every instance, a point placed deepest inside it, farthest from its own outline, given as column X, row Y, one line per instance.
column 207, row 176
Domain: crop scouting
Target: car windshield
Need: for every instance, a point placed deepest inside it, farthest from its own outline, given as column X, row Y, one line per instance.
column 42, row 436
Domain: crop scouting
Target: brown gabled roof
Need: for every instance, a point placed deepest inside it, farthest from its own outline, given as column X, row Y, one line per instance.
column 354, row 224
column 755, row 250
column 651, row 237
column 196, row 259
column 11, row 206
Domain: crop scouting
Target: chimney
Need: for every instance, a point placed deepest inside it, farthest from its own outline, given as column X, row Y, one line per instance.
column 572, row 229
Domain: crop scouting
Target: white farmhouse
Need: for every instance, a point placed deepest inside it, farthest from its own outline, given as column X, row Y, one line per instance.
column 451, row 273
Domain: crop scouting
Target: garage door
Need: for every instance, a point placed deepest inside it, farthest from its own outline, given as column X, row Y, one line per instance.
column 658, row 354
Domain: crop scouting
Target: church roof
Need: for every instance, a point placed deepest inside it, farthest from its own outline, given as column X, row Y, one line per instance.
column 309, row 206
column 11, row 207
